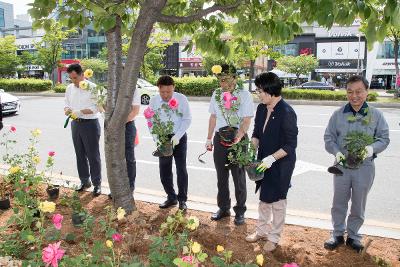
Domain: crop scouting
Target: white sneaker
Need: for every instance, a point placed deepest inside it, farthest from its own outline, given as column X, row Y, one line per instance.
column 254, row 237
column 270, row 246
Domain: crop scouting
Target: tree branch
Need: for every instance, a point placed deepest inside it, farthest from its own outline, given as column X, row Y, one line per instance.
column 204, row 12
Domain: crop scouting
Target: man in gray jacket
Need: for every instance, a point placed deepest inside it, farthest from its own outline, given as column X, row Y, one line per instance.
column 354, row 183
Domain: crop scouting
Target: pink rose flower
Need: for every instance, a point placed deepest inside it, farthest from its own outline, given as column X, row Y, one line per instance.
column 52, row 153
column 52, row 254
column 13, row 129
column 173, row 103
column 234, row 98
column 290, row 265
column 148, row 113
column 149, row 124
column 228, row 104
column 57, row 220
column 117, row 237
column 188, row 259
column 227, row 96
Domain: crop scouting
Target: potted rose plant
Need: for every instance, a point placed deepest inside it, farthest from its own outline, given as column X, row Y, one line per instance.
column 78, row 212
column 355, row 143
column 244, row 154
column 162, row 131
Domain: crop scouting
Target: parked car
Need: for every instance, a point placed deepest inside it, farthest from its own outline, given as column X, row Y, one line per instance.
column 146, row 90
column 9, row 104
column 315, row 85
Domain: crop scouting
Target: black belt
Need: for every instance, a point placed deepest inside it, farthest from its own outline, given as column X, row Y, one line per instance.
column 84, row 120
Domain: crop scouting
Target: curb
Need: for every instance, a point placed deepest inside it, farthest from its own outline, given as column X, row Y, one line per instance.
column 293, row 217
column 207, row 99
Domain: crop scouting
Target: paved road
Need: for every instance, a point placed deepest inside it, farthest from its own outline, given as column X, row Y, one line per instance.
column 312, row 185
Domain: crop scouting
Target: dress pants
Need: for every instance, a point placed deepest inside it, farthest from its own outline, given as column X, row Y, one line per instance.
column 86, row 136
column 166, row 175
column 239, row 179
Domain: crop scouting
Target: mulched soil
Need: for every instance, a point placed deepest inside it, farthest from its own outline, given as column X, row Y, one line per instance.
column 302, row 245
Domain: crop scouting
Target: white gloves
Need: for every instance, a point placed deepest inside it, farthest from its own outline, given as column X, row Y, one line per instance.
column 175, row 141
column 209, row 145
column 370, row 151
column 266, row 163
column 340, row 157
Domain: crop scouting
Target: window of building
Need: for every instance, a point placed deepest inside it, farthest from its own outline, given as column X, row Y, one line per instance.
column 2, row 23
column 288, row 49
column 386, row 50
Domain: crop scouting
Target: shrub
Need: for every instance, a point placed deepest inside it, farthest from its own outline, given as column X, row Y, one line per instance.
column 25, row 85
column 201, row 86
column 308, row 94
column 60, row 88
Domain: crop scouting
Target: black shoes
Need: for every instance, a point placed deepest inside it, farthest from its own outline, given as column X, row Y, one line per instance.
column 168, row 203
column 239, row 219
column 97, row 190
column 83, row 186
column 182, row 206
column 220, row 214
column 334, row 242
column 354, row 244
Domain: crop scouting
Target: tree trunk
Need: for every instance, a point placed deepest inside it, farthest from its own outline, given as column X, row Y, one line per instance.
column 396, row 60
column 120, row 90
column 252, row 63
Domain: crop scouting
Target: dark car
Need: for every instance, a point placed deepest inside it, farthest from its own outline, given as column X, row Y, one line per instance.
column 315, row 85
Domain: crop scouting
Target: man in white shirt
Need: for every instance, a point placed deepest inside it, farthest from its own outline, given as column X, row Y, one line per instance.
column 240, row 118
column 86, row 131
column 166, row 87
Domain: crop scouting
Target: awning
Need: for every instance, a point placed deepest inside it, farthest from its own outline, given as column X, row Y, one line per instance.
column 282, row 74
column 337, row 70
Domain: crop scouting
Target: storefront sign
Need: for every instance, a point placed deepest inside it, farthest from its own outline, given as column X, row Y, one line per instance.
column 341, row 50
column 190, row 65
column 385, row 63
column 189, row 56
column 338, row 64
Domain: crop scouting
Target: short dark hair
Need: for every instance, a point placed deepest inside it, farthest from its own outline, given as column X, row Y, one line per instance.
column 75, row 67
column 269, row 82
column 228, row 69
column 165, row 80
column 358, row 78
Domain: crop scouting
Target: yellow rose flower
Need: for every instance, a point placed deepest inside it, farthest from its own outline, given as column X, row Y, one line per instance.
column 193, row 223
column 14, row 169
column 196, row 247
column 47, row 206
column 109, row 243
column 216, row 69
column 36, row 132
column 88, row 73
column 73, row 116
column 260, row 259
column 36, row 159
column 220, row 248
column 120, row 213
column 83, row 85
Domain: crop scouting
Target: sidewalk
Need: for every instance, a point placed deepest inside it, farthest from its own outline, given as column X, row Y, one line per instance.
column 294, row 217
column 207, row 99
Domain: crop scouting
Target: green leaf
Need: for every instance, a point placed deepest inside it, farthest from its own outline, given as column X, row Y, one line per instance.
column 108, row 23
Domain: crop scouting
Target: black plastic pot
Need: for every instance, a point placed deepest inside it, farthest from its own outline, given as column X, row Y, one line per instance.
column 53, row 191
column 5, row 204
column 252, row 172
column 353, row 161
column 166, row 150
column 227, row 135
column 78, row 219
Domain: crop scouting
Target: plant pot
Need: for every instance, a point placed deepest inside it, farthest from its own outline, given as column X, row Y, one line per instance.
column 53, row 191
column 252, row 172
column 353, row 161
column 5, row 204
column 227, row 135
column 165, row 150
column 77, row 219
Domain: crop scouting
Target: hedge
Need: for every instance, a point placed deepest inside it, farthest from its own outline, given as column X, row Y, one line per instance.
column 60, row 88
column 25, row 85
column 308, row 94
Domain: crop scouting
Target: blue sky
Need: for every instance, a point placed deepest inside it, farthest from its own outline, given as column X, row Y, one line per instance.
column 20, row 6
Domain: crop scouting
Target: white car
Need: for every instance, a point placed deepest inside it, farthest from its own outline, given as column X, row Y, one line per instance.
column 9, row 104
column 146, row 90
